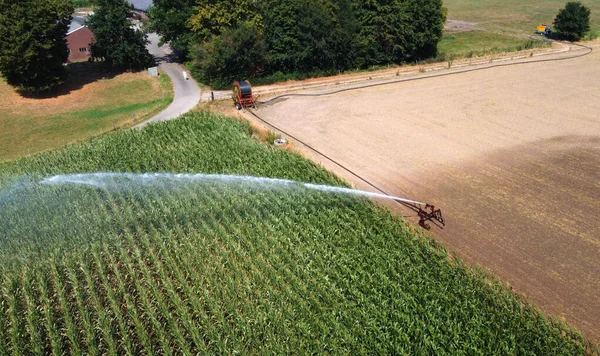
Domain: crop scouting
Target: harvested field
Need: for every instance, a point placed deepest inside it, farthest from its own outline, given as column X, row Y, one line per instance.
column 510, row 154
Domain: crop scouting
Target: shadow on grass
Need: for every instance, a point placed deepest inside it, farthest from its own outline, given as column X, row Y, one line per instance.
column 79, row 74
column 557, row 36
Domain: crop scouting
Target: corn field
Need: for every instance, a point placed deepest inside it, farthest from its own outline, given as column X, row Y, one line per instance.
column 212, row 266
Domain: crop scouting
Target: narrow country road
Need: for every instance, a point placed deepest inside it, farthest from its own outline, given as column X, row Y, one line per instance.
column 187, row 92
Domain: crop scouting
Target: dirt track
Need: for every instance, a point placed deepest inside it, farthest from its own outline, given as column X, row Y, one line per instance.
column 510, row 154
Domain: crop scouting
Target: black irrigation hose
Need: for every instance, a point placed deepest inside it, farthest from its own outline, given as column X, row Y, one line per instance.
column 589, row 50
column 412, row 207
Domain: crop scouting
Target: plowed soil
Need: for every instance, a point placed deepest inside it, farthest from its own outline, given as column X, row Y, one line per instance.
column 511, row 155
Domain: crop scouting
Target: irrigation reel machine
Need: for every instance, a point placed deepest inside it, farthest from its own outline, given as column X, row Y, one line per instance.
column 242, row 95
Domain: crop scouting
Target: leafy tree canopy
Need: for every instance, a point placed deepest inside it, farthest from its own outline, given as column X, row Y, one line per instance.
column 212, row 17
column 323, row 35
column 117, row 42
column 33, row 47
column 573, row 21
column 300, row 35
column 237, row 53
column 169, row 18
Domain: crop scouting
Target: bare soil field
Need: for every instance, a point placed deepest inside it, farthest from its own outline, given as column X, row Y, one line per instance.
column 510, row 154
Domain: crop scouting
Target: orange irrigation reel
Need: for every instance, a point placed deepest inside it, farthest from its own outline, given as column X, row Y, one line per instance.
column 242, row 95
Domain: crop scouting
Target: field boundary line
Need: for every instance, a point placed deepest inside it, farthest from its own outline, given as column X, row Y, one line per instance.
column 391, row 73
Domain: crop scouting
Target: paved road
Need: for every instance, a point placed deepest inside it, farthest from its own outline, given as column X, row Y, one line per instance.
column 187, row 92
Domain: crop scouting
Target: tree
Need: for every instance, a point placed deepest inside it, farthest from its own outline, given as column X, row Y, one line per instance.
column 117, row 42
column 169, row 19
column 383, row 26
column 303, row 36
column 426, row 28
column 212, row 17
column 237, row 53
column 314, row 36
column 397, row 31
column 33, row 47
column 573, row 22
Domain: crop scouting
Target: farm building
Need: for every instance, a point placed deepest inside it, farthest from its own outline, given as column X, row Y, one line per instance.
column 79, row 38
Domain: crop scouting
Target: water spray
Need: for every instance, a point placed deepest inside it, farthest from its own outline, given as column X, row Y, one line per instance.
column 426, row 212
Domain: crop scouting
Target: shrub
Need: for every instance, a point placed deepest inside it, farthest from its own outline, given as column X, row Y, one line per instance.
column 573, row 22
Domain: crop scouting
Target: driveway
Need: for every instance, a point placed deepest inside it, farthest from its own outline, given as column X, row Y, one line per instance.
column 187, row 92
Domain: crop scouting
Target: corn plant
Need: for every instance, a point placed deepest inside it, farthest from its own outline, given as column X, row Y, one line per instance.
column 134, row 264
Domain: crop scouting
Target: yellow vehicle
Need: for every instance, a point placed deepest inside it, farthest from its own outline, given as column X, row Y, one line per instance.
column 543, row 30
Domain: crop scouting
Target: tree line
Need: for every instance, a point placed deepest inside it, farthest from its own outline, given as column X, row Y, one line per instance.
column 33, row 45
column 236, row 39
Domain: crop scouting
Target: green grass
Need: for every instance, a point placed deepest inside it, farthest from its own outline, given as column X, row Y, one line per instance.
column 514, row 16
column 480, row 43
column 216, row 267
column 503, row 24
column 87, row 105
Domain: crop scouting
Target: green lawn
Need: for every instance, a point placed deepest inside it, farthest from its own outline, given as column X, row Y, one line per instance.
column 481, row 43
column 514, row 16
column 87, row 105
column 147, row 264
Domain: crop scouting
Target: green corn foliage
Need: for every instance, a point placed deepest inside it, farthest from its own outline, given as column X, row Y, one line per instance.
column 47, row 306
column 104, row 318
column 125, row 342
column 34, row 322
column 12, row 298
column 122, row 278
column 177, row 301
column 72, row 330
column 166, row 318
column 83, row 311
column 4, row 324
column 213, row 268
column 153, row 321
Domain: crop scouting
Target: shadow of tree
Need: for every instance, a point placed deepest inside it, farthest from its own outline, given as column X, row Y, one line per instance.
column 557, row 36
column 79, row 74
column 169, row 58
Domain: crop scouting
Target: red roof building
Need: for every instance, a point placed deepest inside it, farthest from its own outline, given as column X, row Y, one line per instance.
column 78, row 42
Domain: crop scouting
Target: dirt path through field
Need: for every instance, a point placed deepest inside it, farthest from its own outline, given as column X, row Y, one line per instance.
column 510, row 154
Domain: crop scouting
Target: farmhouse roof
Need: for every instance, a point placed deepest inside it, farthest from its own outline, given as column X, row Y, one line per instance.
column 77, row 23
column 77, row 29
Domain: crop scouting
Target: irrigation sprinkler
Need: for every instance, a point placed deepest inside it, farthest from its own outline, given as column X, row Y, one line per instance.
column 430, row 213
column 425, row 211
